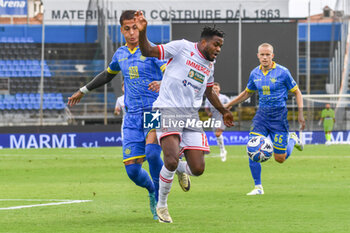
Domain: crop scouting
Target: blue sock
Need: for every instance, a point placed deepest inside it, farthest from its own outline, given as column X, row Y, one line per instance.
column 255, row 169
column 290, row 147
column 140, row 177
column 155, row 163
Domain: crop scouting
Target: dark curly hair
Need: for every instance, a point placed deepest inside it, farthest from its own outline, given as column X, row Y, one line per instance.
column 208, row 32
column 126, row 15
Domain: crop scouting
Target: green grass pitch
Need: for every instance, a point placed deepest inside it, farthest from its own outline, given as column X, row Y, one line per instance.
column 308, row 193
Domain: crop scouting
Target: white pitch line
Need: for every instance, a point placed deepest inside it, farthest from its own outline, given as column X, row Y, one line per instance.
column 46, row 204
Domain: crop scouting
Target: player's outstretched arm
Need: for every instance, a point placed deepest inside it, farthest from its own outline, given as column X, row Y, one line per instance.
column 239, row 99
column 215, row 101
column 146, row 48
column 100, row 79
column 299, row 99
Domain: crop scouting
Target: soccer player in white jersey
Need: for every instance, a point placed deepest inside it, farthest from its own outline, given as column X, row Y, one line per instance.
column 188, row 75
column 216, row 115
column 120, row 108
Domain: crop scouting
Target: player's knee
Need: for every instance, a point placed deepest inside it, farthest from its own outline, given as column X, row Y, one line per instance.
column 197, row 170
column 133, row 170
column 280, row 158
column 171, row 163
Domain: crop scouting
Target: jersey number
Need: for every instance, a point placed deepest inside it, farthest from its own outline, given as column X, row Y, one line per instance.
column 266, row 90
column 133, row 72
column 278, row 138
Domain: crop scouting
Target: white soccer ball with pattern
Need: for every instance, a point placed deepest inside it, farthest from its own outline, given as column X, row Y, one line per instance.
column 259, row 149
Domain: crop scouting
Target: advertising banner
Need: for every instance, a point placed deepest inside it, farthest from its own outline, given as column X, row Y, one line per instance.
column 106, row 139
column 77, row 11
column 13, row 7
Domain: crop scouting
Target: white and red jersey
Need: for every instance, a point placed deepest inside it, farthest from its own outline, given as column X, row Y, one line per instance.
column 186, row 76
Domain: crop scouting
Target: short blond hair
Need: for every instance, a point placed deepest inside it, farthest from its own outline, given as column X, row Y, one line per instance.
column 265, row 45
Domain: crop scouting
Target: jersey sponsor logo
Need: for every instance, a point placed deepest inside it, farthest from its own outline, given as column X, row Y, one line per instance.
column 134, row 72
column 198, row 67
column 187, row 83
column 123, row 59
column 142, row 58
column 196, row 76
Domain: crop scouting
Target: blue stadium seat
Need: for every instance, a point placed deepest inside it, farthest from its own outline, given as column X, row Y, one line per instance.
column 10, row 40
column 15, row 106
column 8, row 106
column 29, row 106
column 3, row 39
column 18, row 96
column 2, row 106
column 59, row 106
column 30, row 40
column 47, row 74
column 27, row 74
column 36, row 106
column 29, row 62
column 23, row 40
column 23, row 106
column 21, row 73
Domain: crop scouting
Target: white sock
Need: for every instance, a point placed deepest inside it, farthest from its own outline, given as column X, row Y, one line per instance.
column 183, row 167
column 259, row 186
column 165, row 181
column 220, row 141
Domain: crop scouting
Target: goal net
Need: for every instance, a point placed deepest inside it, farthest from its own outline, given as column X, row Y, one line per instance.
column 313, row 107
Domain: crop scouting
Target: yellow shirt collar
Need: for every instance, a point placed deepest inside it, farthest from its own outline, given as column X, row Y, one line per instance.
column 273, row 67
column 132, row 51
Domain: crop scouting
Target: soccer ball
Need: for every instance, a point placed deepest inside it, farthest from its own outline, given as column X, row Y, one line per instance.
column 259, row 149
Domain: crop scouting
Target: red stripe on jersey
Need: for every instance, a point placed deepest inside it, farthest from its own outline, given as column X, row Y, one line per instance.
column 169, row 61
column 161, row 52
column 164, row 179
column 199, row 52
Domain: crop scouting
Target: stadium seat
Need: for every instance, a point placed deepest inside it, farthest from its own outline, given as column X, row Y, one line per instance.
column 8, row 106
column 10, row 40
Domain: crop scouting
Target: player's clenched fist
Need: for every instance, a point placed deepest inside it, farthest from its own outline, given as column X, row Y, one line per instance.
column 228, row 119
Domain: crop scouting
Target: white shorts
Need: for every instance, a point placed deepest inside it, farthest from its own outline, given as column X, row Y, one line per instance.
column 189, row 140
column 191, row 136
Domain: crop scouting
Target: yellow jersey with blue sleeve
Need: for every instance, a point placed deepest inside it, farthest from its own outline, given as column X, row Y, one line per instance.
column 138, row 72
